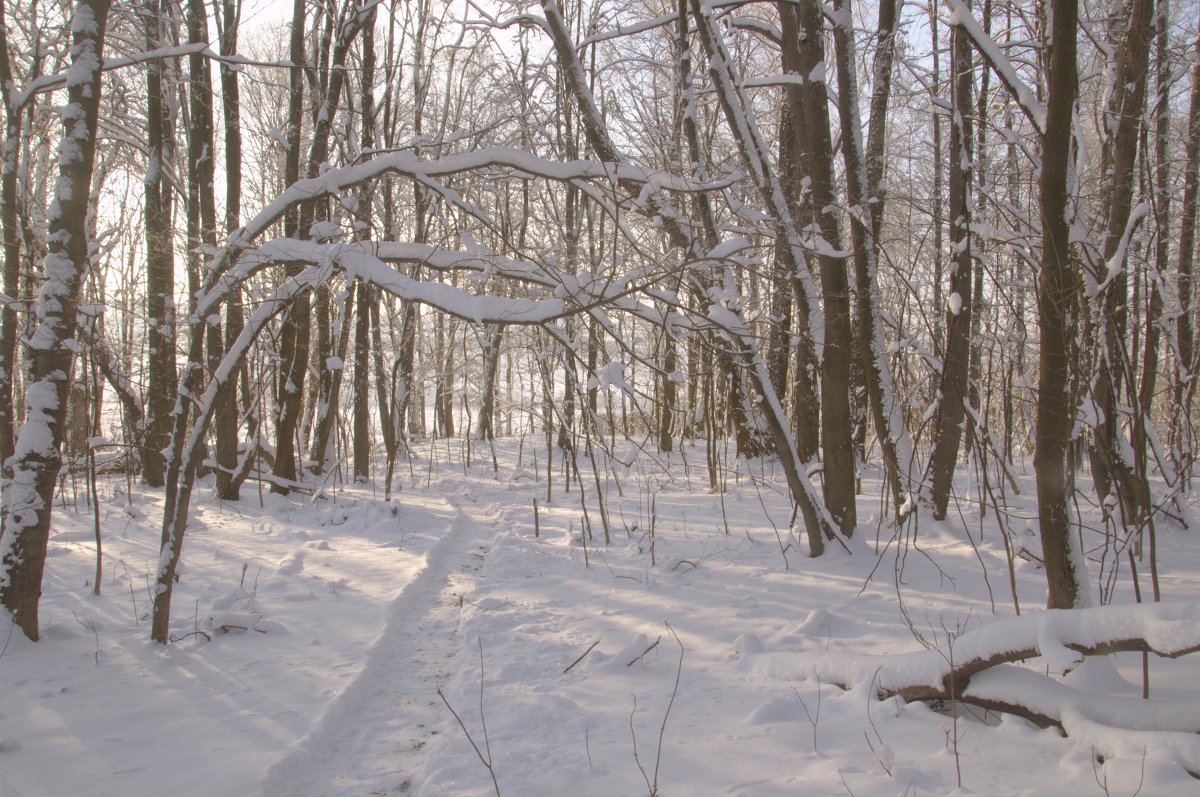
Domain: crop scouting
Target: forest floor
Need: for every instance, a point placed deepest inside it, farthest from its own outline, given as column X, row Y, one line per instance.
column 335, row 644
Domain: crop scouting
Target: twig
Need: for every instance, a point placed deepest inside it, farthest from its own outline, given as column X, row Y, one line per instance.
column 638, row 657
column 636, row 758
column 1096, row 773
column 674, row 691
column 134, row 599
column 884, row 753
column 813, row 718
column 581, row 657
column 652, row 783
column 486, row 760
column 842, row 775
column 90, row 625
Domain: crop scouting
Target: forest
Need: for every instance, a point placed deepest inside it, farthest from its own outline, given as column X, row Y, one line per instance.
column 928, row 265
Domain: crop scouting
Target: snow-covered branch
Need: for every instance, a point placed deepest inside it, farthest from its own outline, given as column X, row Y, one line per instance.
column 978, row 667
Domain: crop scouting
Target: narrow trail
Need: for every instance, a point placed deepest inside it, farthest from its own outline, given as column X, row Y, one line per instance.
column 371, row 739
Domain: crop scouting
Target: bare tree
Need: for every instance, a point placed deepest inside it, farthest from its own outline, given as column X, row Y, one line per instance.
column 10, row 246
column 802, row 27
column 158, row 219
column 363, row 293
column 293, row 345
column 1111, row 468
column 1058, row 312
column 30, row 475
column 1185, row 390
column 952, row 387
column 864, row 184
column 229, row 476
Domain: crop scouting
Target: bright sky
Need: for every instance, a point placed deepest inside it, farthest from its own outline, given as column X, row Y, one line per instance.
column 257, row 12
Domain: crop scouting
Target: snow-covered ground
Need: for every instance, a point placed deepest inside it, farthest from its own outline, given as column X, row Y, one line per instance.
column 326, row 643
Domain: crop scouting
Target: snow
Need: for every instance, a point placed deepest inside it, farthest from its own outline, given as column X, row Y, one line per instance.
column 313, row 635
column 323, row 230
column 954, row 303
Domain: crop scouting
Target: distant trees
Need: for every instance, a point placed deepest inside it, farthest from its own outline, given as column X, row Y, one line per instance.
column 599, row 224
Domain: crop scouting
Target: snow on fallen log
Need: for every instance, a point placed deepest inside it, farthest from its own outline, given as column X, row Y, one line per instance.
column 977, row 667
column 1111, row 725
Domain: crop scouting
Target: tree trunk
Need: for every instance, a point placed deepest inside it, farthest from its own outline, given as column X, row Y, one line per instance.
column 31, row 474
column 836, row 431
column 10, row 246
column 361, row 386
column 486, row 429
column 228, row 483
column 364, row 293
column 1111, row 470
column 161, row 384
column 955, row 361
column 938, row 209
column 1185, row 389
column 803, row 385
column 322, row 401
column 443, row 397
column 1058, row 297
column 751, row 150
column 1140, row 431
column 202, row 204
column 864, row 177
column 323, row 452
column 668, row 390
column 391, row 418
column 293, row 345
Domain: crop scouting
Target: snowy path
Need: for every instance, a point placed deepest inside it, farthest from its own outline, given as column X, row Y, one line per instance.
column 372, row 736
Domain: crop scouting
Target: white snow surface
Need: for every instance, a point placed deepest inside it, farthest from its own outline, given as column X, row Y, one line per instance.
column 313, row 635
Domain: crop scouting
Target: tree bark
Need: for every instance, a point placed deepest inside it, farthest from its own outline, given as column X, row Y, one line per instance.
column 364, row 294
column 323, row 448
column 1154, row 283
column 202, row 203
column 1185, row 388
column 836, row 429
column 1058, row 297
column 296, row 328
column 864, row 177
column 1111, row 470
column 161, row 384
column 31, row 473
column 228, row 483
column 486, row 428
column 361, row 386
column 952, row 387
column 793, row 159
column 293, row 344
column 10, row 246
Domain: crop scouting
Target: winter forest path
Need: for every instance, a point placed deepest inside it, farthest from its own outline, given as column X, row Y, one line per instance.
column 372, row 737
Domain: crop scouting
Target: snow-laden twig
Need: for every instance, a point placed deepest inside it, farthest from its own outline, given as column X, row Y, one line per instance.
column 1023, row 94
